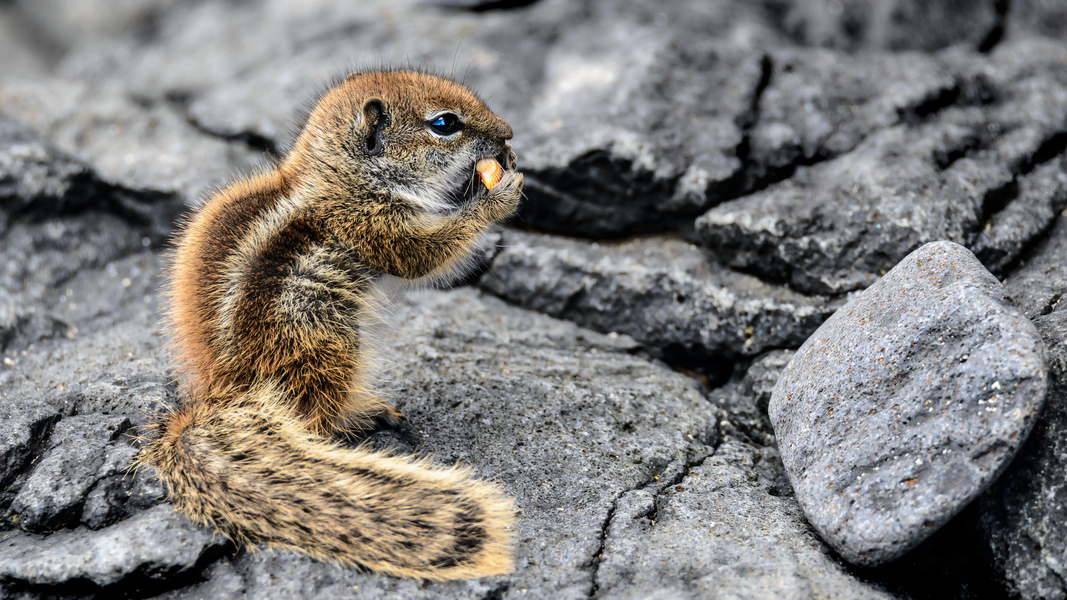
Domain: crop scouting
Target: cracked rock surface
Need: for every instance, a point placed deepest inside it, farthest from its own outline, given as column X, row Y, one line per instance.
column 707, row 183
column 688, row 304
column 721, row 527
column 967, row 173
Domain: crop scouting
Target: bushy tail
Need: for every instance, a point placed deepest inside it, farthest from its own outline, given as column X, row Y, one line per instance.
column 248, row 468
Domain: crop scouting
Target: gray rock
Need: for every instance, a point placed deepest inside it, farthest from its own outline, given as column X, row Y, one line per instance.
column 563, row 417
column 272, row 574
column 1039, row 198
column 559, row 431
column 107, row 370
column 1041, row 17
column 18, row 45
column 61, row 224
column 117, row 489
column 1024, row 515
column 37, row 178
column 662, row 291
column 500, row 56
column 56, row 489
column 721, row 532
column 744, row 24
column 45, row 271
column 820, row 104
column 744, row 401
column 267, row 76
column 62, row 26
column 109, row 361
column 907, row 403
column 858, row 25
column 157, row 544
column 838, row 225
column 21, row 439
column 1023, row 88
column 619, row 154
column 1039, row 283
column 222, row 581
column 143, row 144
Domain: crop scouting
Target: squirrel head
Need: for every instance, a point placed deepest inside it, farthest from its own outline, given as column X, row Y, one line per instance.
column 407, row 135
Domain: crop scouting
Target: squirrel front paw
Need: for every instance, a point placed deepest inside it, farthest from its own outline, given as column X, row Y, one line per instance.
column 509, row 158
column 501, row 201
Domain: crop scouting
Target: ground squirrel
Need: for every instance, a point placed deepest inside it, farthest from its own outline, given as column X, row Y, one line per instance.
column 271, row 282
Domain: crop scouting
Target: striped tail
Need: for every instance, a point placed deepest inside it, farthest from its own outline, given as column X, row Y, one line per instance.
column 249, row 468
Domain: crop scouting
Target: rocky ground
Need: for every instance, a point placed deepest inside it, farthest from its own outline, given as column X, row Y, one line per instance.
column 707, row 183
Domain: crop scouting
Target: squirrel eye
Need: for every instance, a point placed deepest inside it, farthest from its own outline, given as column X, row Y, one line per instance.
column 445, row 124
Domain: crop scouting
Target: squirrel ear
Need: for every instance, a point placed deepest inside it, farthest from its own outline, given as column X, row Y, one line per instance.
column 375, row 121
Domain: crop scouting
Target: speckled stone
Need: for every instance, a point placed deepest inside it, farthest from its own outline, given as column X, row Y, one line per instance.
column 907, row 403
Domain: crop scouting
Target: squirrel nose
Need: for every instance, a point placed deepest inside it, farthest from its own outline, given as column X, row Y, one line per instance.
column 501, row 128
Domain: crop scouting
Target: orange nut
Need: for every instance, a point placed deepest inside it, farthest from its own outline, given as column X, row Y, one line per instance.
column 490, row 171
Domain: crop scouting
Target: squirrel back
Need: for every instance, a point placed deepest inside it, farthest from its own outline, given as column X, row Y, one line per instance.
column 270, row 290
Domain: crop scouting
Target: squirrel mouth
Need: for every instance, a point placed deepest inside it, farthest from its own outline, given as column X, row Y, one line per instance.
column 485, row 174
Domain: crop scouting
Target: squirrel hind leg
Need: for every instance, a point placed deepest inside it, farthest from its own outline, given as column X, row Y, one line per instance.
column 365, row 411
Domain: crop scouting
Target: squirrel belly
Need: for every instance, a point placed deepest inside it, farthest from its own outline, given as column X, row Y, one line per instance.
column 269, row 293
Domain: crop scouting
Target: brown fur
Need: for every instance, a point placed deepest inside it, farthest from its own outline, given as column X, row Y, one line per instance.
column 270, row 291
